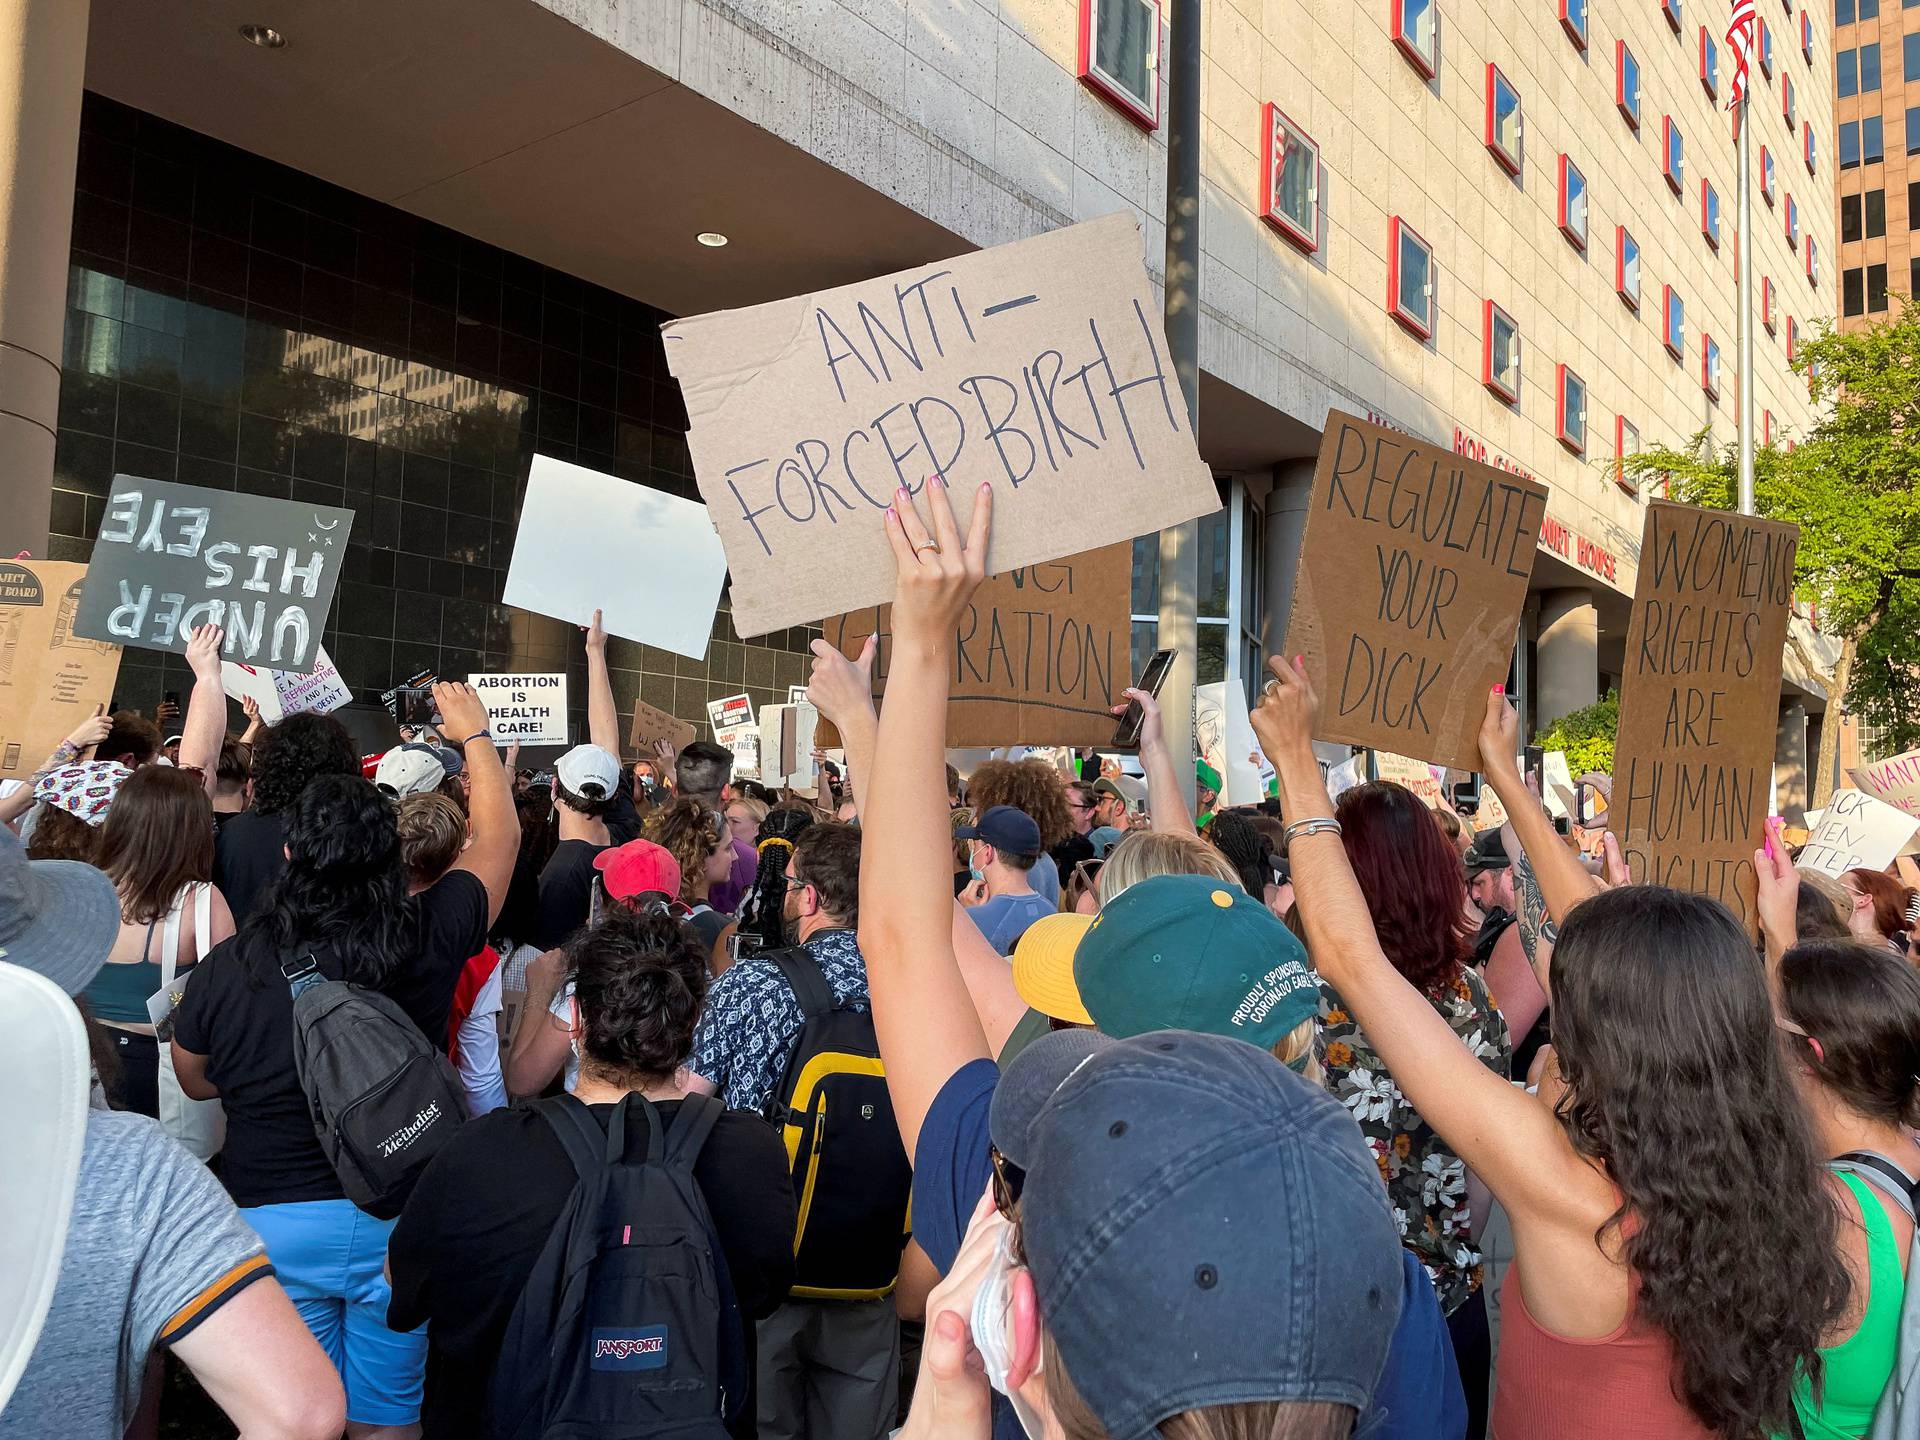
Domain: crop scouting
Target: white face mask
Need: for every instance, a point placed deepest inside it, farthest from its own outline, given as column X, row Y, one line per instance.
column 992, row 1324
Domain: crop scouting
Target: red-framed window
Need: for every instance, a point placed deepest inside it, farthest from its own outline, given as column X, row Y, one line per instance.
column 1709, row 63
column 1787, row 107
column 1764, row 45
column 1710, row 367
column 1506, row 128
column 1806, row 145
column 1766, row 427
column 1768, row 186
column 1499, row 352
column 1673, row 154
column 1793, row 339
column 1792, row 223
column 1410, row 278
column 1709, row 212
column 1626, row 83
column 1120, row 56
column 1626, row 266
column 1813, row 262
column 1626, row 443
column 1806, row 37
column 1573, row 202
column 1673, row 322
column 1289, row 179
column 1416, row 30
column 1671, row 9
column 1769, row 315
column 1570, row 409
column 1573, row 19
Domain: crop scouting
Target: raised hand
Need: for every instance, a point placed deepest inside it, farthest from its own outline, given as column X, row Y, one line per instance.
column 462, row 716
column 596, row 634
column 839, row 688
column 937, row 569
column 1500, row 737
column 91, row 731
column 1288, row 711
column 203, row 651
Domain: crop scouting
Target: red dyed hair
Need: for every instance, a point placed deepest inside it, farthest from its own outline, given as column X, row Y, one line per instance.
column 1413, row 879
column 1890, row 900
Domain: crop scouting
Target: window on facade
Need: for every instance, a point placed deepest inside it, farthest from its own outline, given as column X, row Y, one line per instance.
column 1793, row 223
column 1849, row 219
column 1813, row 261
column 1873, row 148
column 1409, row 278
column 1767, row 188
column 1913, row 130
column 1787, row 106
column 1869, row 68
column 1910, row 57
column 1913, row 205
column 1846, row 72
column 1416, row 30
column 1876, row 289
column 1767, row 312
column 1709, row 62
column 1573, row 19
column 1793, row 338
column 1570, row 410
column 1710, row 367
column 1500, row 353
column 1671, row 9
column 1290, row 199
column 1806, row 144
column 1626, row 265
column 1573, row 202
column 1626, row 443
column 1710, row 213
column 1766, row 49
column 1120, row 56
column 1853, row 291
column 1843, row 12
column 1876, row 214
column 1626, row 83
column 1504, row 126
column 1806, row 36
column 1849, row 144
column 1673, row 160
column 1673, row 323
column 1913, row 277
column 1766, row 428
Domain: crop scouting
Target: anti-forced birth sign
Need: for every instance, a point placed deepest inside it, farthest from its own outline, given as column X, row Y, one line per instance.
column 1413, row 572
column 1040, row 366
column 1700, row 700
column 529, row 708
column 170, row 558
column 1038, row 658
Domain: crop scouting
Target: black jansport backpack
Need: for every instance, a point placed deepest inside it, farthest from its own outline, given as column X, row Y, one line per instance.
column 628, row 1326
column 384, row 1098
column 851, row 1177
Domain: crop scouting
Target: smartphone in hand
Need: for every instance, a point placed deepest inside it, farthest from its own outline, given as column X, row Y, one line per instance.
column 1126, row 734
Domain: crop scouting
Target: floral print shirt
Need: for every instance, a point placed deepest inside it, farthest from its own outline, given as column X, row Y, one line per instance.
column 1426, row 1181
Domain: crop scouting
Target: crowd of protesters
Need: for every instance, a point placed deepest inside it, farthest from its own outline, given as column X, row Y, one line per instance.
column 1012, row 1102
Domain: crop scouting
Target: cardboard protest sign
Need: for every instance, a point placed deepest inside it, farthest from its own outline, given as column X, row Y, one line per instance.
column 1413, row 570
column 651, row 724
column 1039, row 366
column 1416, row 775
column 280, row 693
column 1699, row 700
column 1039, row 656
column 734, row 727
column 173, row 557
column 50, row 678
column 1895, row 781
column 1856, row 832
column 529, row 708
column 647, row 560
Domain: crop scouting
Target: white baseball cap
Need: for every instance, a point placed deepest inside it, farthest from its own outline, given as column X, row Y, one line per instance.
column 411, row 769
column 589, row 765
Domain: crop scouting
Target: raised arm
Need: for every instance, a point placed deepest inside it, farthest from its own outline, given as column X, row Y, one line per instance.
column 490, row 812
column 842, row 691
column 603, row 721
column 1778, row 898
column 1165, row 803
column 1509, row 1139
column 76, row 747
column 922, row 1011
column 206, row 723
column 1563, row 880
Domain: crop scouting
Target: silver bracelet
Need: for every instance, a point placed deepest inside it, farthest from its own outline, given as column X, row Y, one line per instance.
column 1321, row 825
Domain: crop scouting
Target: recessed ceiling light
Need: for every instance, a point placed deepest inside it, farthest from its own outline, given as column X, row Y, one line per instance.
column 712, row 239
column 265, row 36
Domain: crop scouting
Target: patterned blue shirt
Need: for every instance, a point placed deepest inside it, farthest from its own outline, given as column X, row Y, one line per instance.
column 752, row 1016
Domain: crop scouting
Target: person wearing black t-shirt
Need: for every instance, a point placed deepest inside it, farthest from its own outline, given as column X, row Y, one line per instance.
column 466, row 1244
column 342, row 899
column 248, row 848
column 589, row 806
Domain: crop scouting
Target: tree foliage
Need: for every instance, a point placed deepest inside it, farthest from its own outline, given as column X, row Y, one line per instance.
column 1853, row 487
column 1586, row 735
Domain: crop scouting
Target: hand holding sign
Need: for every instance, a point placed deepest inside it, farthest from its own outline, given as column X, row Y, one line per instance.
column 937, row 572
column 1500, row 737
column 1777, row 891
column 839, row 688
column 1288, row 715
column 203, row 653
column 92, row 730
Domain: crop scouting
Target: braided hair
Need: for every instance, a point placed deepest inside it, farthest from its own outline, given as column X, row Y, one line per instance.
column 763, row 912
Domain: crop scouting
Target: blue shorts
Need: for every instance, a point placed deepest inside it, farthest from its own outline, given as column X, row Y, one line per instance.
column 330, row 1256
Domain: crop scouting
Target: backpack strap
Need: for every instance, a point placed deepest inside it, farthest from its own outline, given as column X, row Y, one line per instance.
column 616, row 1141
column 803, row 977
column 691, row 1126
column 579, row 1135
column 1881, row 1173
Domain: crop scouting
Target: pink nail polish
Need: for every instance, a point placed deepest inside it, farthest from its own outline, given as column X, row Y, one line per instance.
column 1499, row 689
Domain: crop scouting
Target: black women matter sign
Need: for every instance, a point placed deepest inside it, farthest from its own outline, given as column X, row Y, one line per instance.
column 170, row 558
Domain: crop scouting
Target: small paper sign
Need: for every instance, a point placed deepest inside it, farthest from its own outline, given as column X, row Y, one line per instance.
column 280, row 693
column 734, row 728
column 1895, row 781
column 531, row 709
column 1856, row 832
column 652, row 724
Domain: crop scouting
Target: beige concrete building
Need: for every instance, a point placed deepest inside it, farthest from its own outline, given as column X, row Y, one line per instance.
column 1508, row 227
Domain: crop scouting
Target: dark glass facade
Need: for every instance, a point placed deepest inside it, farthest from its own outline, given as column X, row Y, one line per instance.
column 236, row 324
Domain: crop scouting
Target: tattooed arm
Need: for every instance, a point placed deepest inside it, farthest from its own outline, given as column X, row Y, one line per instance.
column 1536, row 927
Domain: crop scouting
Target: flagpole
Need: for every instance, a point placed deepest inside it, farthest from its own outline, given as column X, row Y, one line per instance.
column 1745, row 347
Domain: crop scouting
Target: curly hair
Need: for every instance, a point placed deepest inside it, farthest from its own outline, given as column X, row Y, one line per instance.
column 292, row 754
column 58, row 835
column 690, row 832
column 640, row 978
column 763, row 911
column 1677, row 1084
column 1245, row 848
column 1861, row 1004
column 1030, row 785
column 343, row 887
column 1414, row 881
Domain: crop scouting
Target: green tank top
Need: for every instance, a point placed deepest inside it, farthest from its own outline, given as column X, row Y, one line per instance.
column 1859, row 1366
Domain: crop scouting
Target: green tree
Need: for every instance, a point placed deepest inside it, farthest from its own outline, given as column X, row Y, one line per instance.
column 1852, row 485
column 1586, row 735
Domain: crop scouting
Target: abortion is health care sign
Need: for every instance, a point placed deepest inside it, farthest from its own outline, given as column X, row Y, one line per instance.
column 529, row 708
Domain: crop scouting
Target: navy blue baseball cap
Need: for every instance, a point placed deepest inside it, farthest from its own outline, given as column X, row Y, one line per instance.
column 1005, row 827
column 1196, row 1180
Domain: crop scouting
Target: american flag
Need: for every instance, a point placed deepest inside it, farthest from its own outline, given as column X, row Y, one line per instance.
column 1739, row 42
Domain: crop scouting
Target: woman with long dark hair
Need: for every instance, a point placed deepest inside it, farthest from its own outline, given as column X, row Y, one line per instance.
column 341, row 902
column 1676, row 1253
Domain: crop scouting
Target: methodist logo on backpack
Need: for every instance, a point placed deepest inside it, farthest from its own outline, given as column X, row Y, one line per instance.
column 630, row 1349
column 411, row 1131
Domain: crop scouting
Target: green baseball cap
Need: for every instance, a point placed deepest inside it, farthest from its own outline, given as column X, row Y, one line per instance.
column 1187, row 952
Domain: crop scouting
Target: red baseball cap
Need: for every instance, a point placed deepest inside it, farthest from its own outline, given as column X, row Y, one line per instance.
column 637, row 867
